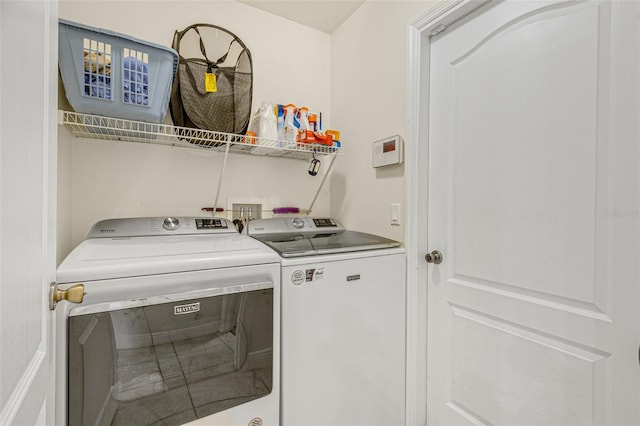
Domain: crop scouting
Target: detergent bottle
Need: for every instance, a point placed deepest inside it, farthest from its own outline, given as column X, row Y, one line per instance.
column 267, row 128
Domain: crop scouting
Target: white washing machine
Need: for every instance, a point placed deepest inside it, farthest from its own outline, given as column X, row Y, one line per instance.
column 343, row 331
column 179, row 325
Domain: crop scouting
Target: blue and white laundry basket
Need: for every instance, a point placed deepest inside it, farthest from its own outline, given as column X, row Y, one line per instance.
column 114, row 75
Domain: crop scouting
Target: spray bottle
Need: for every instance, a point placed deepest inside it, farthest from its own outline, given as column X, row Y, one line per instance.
column 290, row 129
column 306, row 132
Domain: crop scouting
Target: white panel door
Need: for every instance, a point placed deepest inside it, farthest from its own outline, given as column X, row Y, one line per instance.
column 534, row 202
column 28, row 85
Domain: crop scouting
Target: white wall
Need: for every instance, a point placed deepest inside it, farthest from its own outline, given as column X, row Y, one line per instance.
column 101, row 179
column 369, row 70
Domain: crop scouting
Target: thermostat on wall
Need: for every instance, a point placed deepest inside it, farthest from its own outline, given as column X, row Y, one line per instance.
column 387, row 151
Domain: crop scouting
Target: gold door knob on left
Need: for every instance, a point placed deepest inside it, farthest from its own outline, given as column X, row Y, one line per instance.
column 74, row 294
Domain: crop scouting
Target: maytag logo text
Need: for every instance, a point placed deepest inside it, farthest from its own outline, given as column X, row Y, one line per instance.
column 186, row 309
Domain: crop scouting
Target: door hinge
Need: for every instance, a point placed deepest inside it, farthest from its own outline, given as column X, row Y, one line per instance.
column 437, row 30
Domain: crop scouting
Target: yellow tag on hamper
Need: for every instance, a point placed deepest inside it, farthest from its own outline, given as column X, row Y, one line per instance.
column 210, row 84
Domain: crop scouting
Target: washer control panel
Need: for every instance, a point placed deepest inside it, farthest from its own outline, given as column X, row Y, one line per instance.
column 293, row 225
column 325, row 223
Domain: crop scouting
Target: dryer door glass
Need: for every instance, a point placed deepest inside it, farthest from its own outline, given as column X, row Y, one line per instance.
column 170, row 363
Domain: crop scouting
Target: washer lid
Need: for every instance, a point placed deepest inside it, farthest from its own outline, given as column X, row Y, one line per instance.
column 108, row 258
column 296, row 245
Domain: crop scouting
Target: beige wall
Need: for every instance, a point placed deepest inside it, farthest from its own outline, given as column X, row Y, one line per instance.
column 103, row 179
column 357, row 76
column 369, row 71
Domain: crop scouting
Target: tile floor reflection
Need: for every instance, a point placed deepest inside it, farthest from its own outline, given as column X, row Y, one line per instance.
column 174, row 383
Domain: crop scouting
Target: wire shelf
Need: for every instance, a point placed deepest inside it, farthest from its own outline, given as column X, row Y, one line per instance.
column 116, row 129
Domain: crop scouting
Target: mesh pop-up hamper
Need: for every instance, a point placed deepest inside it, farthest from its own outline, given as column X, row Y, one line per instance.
column 114, row 75
column 209, row 53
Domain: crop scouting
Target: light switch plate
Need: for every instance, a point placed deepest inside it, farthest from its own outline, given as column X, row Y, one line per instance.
column 395, row 214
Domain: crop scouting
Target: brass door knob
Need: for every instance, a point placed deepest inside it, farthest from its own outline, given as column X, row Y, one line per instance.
column 74, row 294
column 434, row 257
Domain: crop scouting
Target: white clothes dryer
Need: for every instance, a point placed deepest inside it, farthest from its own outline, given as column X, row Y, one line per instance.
column 343, row 323
column 179, row 325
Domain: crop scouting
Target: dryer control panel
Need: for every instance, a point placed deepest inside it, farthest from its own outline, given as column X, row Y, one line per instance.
column 212, row 223
column 150, row 226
